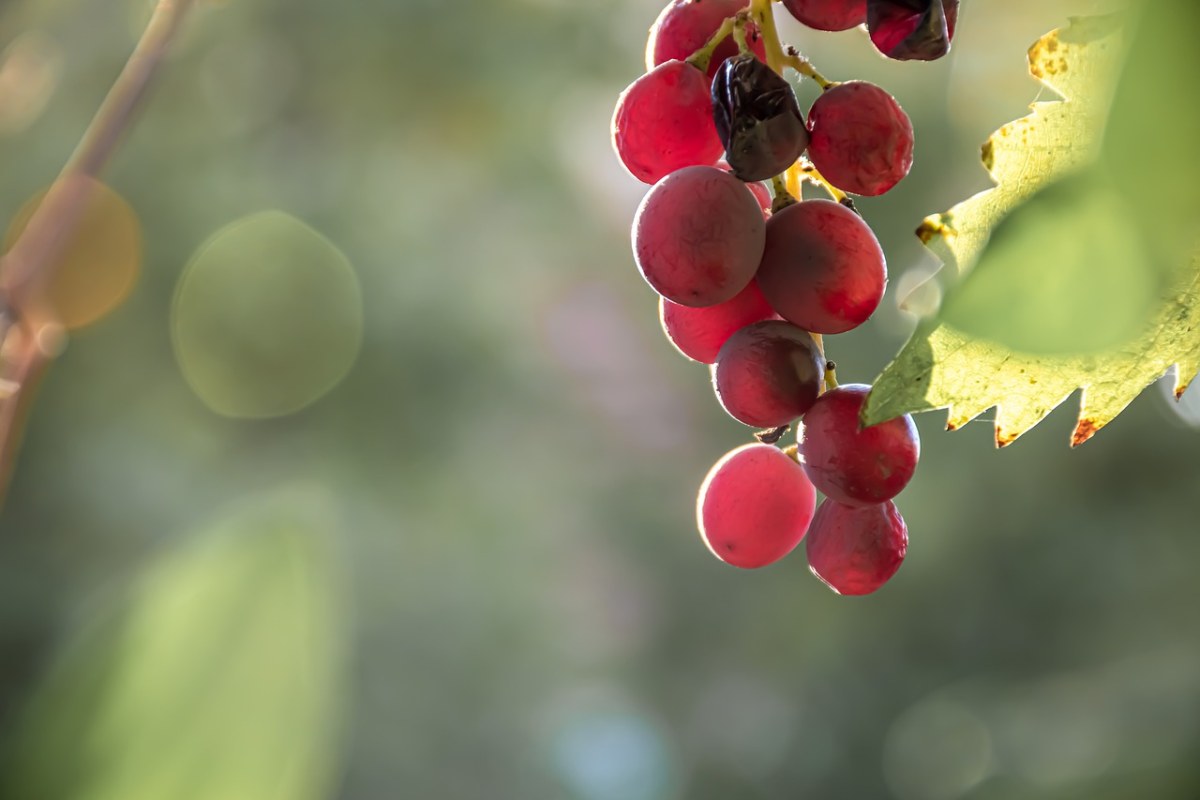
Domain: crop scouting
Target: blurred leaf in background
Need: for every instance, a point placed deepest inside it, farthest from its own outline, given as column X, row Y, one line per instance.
column 215, row 674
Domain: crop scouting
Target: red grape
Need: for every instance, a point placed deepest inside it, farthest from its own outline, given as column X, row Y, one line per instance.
column 663, row 122
column 854, row 465
column 912, row 29
column 856, row 550
column 685, row 26
column 698, row 333
column 768, row 374
column 822, row 268
column 757, row 188
column 860, row 138
column 754, row 506
column 698, row 236
column 828, row 15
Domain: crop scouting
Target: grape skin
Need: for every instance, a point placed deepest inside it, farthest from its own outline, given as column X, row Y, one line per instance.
column 893, row 26
column 759, row 189
column 854, row 551
column 754, row 506
column 860, row 139
column 685, row 26
column 854, row 465
column 822, row 267
column 663, row 122
column 828, row 15
column 768, row 374
column 698, row 333
column 698, row 236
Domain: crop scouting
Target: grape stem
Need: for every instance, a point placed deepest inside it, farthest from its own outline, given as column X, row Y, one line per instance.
column 806, row 171
column 831, row 381
column 701, row 58
column 30, row 335
column 802, row 65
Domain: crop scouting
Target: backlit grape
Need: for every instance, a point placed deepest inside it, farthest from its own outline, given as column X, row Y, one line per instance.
column 754, row 506
column 663, row 122
column 685, row 26
column 860, row 138
column 698, row 333
column 912, row 29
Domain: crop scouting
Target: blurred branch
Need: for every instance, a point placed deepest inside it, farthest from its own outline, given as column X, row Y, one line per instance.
column 29, row 337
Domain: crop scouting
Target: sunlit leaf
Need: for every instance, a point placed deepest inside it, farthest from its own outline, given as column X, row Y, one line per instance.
column 1110, row 322
column 215, row 677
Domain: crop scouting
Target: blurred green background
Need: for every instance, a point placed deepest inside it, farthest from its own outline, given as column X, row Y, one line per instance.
column 467, row 566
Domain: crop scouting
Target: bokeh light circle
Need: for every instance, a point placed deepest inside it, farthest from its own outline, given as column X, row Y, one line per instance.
column 96, row 267
column 267, row 317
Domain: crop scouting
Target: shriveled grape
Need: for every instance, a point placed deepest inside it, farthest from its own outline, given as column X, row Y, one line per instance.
column 851, row 464
column 698, row 236
column 822, row 267
column 854, row 551
column 912, row 29
column 859, row 138
column 828, row 15
column 754, row 506
column 698, row 333
column 757, row 119
column 663, row 122
column 768, row 374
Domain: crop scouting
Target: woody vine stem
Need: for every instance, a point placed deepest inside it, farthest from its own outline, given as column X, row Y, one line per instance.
column 30, row 335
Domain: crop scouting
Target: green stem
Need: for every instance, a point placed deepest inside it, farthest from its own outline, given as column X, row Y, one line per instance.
column 805, row 67
column 701, row 58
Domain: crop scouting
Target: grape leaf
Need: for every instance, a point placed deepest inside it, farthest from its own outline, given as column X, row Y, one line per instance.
column 1032, row 159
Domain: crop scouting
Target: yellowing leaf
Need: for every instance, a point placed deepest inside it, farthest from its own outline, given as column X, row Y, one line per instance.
column 1045, row 165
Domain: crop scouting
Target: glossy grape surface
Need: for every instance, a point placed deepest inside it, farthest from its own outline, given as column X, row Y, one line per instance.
column 698, row 236
column 854, row 551
column 822, row 267
column 754, row 506
column 663, row 122
column 854, row 465
column 768, row 374
column 859, row 138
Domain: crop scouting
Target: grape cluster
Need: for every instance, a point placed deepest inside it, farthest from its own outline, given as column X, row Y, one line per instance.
column 751, row 280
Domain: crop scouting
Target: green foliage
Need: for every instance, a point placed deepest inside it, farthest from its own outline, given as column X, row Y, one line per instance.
column 169, row 683
column 1077, row 279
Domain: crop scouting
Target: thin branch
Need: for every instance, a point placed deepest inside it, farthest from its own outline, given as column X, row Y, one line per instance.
column 29, row 337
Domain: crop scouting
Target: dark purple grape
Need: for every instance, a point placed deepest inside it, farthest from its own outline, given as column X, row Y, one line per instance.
column 854, row 551
column 768, row 374
column 918, row 30
column 860, row 138
column 757, row 119
column 698, row 236
column 854, row 465
column 754, row 506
